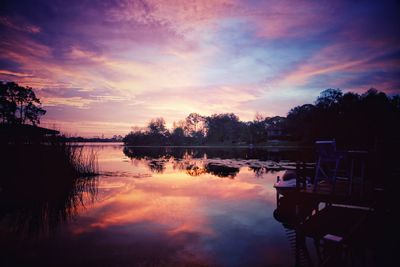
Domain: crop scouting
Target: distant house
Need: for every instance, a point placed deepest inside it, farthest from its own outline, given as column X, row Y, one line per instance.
column 275, row 128
column 24, row 133
column 275, row 132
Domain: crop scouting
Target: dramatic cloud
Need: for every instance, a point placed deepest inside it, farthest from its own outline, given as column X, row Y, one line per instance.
column 101, row 67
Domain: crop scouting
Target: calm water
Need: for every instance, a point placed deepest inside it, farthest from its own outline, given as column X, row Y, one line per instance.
column 166, row 207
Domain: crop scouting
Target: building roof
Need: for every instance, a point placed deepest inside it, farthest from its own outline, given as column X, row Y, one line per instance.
column 26, row 130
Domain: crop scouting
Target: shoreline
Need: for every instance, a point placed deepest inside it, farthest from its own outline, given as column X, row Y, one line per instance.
column 224, row 146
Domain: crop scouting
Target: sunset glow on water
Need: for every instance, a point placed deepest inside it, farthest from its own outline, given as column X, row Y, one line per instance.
column 201, row 219
column 169, row 217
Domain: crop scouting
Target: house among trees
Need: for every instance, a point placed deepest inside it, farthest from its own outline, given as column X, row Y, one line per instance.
column 275, row 132
column 275, row 128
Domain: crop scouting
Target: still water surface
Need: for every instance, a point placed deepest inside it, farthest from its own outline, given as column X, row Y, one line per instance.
column 169, row 207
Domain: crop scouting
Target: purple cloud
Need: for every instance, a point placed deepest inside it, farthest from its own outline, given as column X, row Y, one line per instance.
column 121, row 63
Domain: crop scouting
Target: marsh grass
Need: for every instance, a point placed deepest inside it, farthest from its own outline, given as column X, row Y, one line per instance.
column 83, row 162
column 44, row 185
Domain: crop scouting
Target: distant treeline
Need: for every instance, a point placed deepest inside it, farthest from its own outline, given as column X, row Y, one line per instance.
column 115, row 138
column 225, row 129
column 350, row 118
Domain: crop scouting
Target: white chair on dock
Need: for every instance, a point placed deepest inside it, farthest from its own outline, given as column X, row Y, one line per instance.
column 327, row 164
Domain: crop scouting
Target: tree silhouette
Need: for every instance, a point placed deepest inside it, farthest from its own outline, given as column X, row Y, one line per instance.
column 257, row 129
column 19, row 104
column 223, row 128
column 329, row 98
column 193, row 123
column 352, row 119
column 177, row 136
column 157, row 126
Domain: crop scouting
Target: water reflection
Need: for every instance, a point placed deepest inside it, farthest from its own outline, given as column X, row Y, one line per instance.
column 221, row 170
column 272, row 154
column 326, row 234
column 170, row 207
column 40, row 188
column 221, row 162
column 291, row 212
column 160, row 208
column 30, row 208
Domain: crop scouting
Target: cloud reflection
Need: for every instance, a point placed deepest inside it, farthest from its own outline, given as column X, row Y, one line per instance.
column 173, row 210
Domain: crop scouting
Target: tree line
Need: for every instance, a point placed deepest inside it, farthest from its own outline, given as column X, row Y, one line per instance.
column 357, row 120
column 353, row 120
column 195, row 129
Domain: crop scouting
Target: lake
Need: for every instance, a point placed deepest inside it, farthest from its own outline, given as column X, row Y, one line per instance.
column 163, row 207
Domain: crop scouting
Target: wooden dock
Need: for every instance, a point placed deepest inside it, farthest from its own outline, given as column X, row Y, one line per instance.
column 341, row 194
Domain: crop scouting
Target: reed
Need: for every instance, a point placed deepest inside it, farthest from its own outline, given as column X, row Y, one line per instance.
column 44, row 185
column 81, row 161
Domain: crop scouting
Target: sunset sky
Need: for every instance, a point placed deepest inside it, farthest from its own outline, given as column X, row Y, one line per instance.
column 101, row 67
